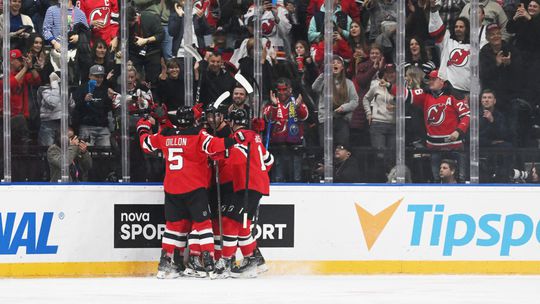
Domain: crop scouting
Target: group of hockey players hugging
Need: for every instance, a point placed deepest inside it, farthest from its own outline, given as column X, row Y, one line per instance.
column 211, row 156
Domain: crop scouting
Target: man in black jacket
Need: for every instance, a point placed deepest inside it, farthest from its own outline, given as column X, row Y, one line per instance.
column 346, row 169
column 92, row 106
column 145, row 37
column 212, row 79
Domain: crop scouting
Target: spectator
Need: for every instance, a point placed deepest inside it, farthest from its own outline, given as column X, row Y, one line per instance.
column 455, row 50
column 285, row 116
column 35, row 10
column 52, row 25
column 176, row 27
column 526, row 25
column 219, row 45
column 447, row 171
column 346, row 168
column 416, row 23
column 345, row 100
column 379, row 105
column 170, row 89
column 446, row 118
column 20, row 25
column 349, row 7
column 50, row 111
column 92, row 106
column 359, row 47
column 365, row 73
column 381, row 12
column 80, row 161
column 145, row 38
column 501, row 68
column 416, row 55
column 239, row 99
column 103, row 18
column 494, row 128
column 493, row 13
column 212, row 79
column 40, row 59
column 449, row 10
column 342, row 23
column 22, row 75
column 101, row 56
column 304, row 63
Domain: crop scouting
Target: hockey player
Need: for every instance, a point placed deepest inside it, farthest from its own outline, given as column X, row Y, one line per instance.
column 215, row 120
column 250, row 184
column 185, row 150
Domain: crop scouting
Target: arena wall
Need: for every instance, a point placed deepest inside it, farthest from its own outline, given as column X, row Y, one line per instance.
column 51, row 231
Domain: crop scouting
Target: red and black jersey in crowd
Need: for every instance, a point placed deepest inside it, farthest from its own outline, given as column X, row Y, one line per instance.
column 260, row 162
column 185, row 152
column 102, row 10
column 443, row 114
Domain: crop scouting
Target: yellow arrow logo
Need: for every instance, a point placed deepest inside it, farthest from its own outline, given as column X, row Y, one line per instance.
column 373, row 225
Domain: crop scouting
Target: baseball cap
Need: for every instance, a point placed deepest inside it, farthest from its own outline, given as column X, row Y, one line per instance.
column 492, row 26
column 97, row 70
column 389, row 67
column 15, row 54
column 343, row 147
column 434, row 74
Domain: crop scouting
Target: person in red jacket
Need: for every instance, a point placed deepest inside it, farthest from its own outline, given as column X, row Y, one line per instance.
column 249, row 185
column 22, row 74
column 185, row 150
column 446, row 118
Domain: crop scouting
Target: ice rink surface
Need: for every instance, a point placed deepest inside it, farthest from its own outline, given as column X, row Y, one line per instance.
column 392, row 289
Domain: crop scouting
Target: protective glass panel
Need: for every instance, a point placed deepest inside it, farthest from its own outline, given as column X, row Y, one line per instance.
column 438, row 77
column 509, row 100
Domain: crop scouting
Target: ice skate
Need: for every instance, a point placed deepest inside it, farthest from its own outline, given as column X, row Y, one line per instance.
column 223, row 268
column 208, row 264
column 261, row 262
column 194, row 268
column 248, row 268
column 166, row 268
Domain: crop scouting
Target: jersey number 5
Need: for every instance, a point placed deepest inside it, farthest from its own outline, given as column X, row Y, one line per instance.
column 176, row 162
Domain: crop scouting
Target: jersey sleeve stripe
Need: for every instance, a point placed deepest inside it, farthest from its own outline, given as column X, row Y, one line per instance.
column 206, row 143
column 148, row 145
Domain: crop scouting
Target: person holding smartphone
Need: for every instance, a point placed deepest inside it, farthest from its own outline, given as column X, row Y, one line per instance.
column 20, row 25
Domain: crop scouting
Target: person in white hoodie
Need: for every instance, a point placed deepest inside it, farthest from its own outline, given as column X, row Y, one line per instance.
column 379, row 105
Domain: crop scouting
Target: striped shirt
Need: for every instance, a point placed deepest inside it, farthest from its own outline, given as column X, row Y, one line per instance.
column 53, row 18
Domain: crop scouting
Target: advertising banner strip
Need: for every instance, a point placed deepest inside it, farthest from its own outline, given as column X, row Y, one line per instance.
column 120, row 269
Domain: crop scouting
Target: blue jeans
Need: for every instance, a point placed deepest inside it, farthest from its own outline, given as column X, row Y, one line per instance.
column 287, row 164
column 166, row 44
column 95, row 136
column 47, row 130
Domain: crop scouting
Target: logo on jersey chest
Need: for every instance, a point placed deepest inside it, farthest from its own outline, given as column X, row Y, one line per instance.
column 436, row 114
column 100, row 13
column 458, row 57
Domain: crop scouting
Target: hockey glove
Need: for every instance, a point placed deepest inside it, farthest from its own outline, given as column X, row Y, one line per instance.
column 258, row 124
column 198, row 109
column 143, row 126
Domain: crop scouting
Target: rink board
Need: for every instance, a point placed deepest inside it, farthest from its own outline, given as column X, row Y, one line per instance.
column 51, row 231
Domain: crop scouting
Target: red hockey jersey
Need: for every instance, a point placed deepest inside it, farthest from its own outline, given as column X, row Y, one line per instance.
column 443, row 115
column 260, row 162
column 103, row 10
column 185, row 152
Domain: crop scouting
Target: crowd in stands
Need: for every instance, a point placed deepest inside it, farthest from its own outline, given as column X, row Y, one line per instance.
column 437, row 73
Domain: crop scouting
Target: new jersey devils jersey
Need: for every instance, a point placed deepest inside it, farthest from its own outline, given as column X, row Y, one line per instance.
column 443, row 115
column 455, row 65
column 185, row 152
column 102, row 10
column 260, row 162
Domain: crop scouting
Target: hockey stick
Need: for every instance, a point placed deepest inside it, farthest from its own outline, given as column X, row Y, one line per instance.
column 216, row 104
column 193, row 52
column 243, row 82
column 246, row 195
